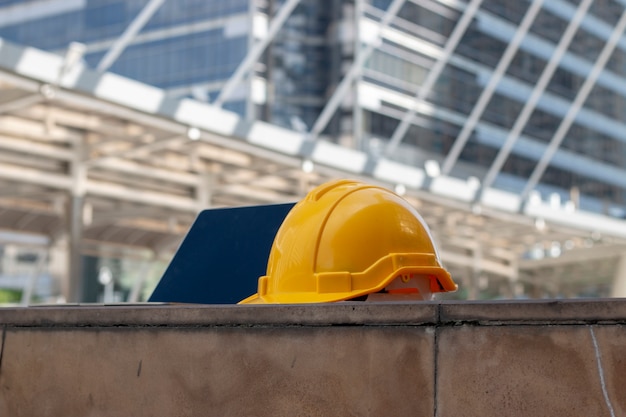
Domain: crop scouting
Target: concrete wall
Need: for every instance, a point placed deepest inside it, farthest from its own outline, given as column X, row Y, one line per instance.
column 558, row 358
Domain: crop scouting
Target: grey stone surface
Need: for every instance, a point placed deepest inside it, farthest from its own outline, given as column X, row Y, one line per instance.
column 520, row 371
column 548, row 358
column 292, row 371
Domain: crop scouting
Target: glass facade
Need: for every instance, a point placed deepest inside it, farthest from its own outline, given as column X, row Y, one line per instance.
column 191, row 47
column 299, row 64
column 592, row 151
column 185, row 42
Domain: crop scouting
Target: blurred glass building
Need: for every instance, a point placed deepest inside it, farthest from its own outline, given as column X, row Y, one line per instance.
column 527, row 96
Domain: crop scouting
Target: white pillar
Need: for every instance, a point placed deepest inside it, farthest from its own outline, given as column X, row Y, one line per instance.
column 619, row 279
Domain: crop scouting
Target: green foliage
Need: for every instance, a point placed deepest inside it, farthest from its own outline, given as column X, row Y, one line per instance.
column 10, row 296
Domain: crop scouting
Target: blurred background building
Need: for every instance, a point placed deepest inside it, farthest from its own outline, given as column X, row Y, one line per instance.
column 523, row 97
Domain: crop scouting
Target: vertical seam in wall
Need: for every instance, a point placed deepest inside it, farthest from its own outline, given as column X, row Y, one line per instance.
column 601, row 371
column 436, row 358
column 4, row 335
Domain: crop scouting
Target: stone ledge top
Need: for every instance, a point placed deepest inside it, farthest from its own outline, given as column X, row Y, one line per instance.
column 197, row 315
column 558, row 311
column 439, row 313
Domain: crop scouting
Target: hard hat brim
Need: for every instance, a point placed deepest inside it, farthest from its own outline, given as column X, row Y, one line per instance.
column 329, row 285
column 253, row 299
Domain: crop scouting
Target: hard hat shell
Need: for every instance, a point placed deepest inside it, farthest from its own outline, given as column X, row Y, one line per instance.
column 346, row 239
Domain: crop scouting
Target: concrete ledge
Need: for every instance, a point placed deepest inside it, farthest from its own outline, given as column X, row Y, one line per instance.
column 355, row 313
column 347, row 313
column 528, row 312
column 437, row 359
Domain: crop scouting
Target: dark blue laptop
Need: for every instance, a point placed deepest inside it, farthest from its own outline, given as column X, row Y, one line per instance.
column 222, row 256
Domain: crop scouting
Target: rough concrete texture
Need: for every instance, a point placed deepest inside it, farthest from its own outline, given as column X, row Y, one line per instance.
column 349, row 359
column 528, row 371
column 218, row 372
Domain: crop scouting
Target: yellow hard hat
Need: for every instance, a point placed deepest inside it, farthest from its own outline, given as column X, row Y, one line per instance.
column 347, row 239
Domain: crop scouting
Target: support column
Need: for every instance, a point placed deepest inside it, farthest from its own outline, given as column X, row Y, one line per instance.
column 619, row 279
column 75, row 206
column 142, row 276
column 75, row 234
column 31, row 285
column 204, row 190
column 58, row 265
column 476, row 271
column 517, row 289
column 357, row 110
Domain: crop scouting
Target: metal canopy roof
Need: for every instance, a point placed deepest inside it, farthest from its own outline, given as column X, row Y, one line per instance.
column 144, row 164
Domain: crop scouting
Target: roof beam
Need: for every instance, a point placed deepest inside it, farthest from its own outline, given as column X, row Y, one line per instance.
column 484, row 264
column 34, row 176
column 254, row 193
column 137, row 151
column 66, row 117
column 31, row 148
column 135, row 169
column 42, row 130
column 576, row 256
column 157, row 199
column 20, row 103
